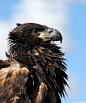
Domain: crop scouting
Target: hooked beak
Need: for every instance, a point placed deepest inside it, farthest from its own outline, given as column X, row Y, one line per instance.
column 51, row 35
column 56, row 36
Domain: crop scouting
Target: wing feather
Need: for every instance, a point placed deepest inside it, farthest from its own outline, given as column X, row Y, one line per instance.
column 12, row 82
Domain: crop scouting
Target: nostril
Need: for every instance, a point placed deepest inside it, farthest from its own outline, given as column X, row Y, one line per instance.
column 50, row 30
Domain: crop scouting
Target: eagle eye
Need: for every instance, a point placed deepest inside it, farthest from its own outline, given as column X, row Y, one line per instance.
column 34, row 31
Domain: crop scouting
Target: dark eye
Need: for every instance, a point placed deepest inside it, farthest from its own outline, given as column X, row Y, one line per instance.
column 34, row 31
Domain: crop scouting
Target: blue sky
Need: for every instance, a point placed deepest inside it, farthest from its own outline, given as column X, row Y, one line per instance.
column 69, row 17
column 76, row 60
column 6, row 8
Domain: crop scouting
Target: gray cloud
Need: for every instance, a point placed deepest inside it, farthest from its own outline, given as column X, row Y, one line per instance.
column 74, row 84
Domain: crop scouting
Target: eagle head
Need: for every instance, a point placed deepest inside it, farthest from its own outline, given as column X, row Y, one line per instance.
column 31, row 34
column 47, row 34
column 43, row 32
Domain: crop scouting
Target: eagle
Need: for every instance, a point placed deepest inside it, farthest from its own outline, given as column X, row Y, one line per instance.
column 35, row 69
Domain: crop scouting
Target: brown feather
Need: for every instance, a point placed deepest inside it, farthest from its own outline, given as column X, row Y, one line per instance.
column 11, row 79
column 35, row 69
column 43, row 90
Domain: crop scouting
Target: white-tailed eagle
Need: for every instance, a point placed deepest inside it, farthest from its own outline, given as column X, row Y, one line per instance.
column 35, row 69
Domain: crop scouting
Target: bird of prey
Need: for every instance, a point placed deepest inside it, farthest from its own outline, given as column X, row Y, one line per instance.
column 35, row 69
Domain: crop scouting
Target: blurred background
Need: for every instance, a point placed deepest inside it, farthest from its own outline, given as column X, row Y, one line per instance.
column 67, row 16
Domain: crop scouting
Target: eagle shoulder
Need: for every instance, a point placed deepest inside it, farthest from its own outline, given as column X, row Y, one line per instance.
column 13, row 78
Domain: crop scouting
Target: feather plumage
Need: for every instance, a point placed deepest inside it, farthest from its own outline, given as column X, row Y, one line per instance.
column 35, row 69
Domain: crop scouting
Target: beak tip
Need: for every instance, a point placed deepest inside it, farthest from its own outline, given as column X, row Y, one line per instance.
column 60, row 42
column 59, row 36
